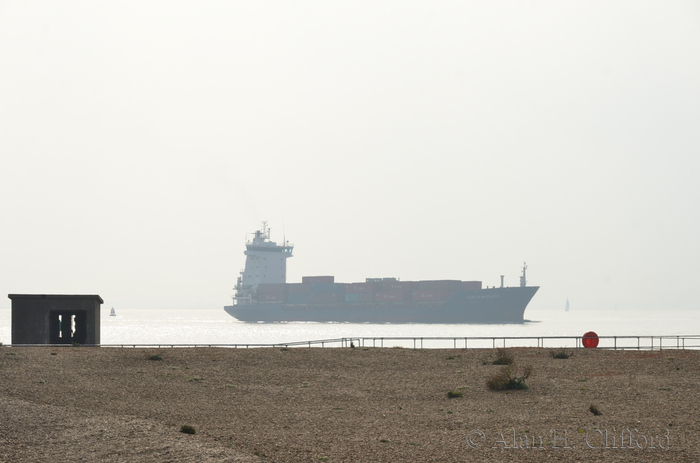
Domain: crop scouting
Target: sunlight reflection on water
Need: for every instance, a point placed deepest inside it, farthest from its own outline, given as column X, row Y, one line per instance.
column 159, row 326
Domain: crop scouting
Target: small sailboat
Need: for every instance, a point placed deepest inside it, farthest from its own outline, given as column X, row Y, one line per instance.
column 112, row 313
column 565, row 310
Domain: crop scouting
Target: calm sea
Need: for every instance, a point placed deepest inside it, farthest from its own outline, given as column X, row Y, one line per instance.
column 208, row 326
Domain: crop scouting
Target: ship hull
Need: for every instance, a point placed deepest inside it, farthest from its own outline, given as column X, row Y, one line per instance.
column 487, row 306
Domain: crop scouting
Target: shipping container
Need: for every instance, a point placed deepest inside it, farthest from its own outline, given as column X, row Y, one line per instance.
column 271, row 288
column 352, row 297
column 366, row 297
column 471, row 285
column 298, row 288
column 318, row 279
column 298, row 298
column 359, row 287
column 340, row 287
column 447, row 295
column 398, row 286
column 440, row 285
column 389, row 296
column 427, row 295
column 326, row 288
column 325, row 298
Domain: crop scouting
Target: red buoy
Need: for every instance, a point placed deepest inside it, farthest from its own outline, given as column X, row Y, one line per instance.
column 590, row 340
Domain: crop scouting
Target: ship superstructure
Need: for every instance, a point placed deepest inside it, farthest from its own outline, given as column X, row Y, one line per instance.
column 263, row 295
column 266, row 263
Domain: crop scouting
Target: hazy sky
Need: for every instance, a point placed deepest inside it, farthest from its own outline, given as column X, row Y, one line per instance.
column 141, row 142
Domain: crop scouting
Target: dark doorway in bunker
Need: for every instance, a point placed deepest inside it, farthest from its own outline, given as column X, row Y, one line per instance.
column 68, row 327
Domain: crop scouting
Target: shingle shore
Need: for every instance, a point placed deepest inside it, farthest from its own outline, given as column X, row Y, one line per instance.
column 332, row 404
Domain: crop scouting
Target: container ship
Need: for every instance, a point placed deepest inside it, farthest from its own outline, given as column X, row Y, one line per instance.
column 263, row 295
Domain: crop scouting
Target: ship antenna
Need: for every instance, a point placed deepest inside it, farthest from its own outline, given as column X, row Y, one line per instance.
column 523, row 278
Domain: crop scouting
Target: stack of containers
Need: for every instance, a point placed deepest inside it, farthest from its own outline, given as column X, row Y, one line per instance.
column 317, row 280
column 323, row 290
column 298, row 293
column 271, row 293
column 359, row 292
column 395, row 291
column 436, row 290
column 471, row 285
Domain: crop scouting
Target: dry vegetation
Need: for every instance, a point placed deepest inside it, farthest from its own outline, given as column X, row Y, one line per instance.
column 287, row 405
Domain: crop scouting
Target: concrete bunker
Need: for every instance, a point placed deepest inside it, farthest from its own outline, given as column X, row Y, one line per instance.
column 55, row 319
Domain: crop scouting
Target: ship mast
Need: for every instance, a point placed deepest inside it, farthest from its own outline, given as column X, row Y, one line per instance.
column 523, row 279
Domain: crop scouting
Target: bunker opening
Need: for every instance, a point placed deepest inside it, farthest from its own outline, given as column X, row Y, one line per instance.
column 68, row 327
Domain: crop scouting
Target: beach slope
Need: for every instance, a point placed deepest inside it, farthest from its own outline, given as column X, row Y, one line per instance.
column 350, row 404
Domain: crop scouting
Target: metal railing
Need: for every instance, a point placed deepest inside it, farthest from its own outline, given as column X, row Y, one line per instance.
column 492, row 342
column 466, row 342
